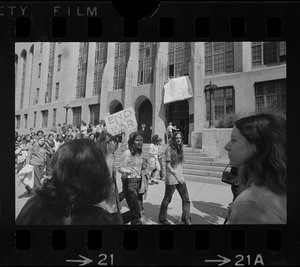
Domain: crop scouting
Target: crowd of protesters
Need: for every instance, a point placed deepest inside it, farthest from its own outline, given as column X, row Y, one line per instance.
column 80, row 185
column 37, row 148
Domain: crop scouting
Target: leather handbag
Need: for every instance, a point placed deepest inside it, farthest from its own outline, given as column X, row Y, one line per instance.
column 229, row 178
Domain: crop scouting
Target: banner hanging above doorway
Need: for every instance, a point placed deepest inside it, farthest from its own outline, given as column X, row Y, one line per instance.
column 178, row 89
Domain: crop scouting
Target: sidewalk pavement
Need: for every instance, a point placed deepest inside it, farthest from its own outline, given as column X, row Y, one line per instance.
column 209, row 202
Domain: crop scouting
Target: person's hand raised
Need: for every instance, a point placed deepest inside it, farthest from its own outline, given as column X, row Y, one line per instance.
column 111, row 147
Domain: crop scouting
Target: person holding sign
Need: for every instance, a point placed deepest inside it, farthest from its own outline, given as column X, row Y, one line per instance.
column 130, row 167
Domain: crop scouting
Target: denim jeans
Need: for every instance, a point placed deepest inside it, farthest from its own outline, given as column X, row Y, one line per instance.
column 131, row 189
column 169, row 191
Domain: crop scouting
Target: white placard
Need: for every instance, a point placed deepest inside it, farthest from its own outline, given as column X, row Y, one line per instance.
column 178, row 89
column 121, row 122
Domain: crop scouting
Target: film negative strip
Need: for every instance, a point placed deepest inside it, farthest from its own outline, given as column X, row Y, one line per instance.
column 84, row 61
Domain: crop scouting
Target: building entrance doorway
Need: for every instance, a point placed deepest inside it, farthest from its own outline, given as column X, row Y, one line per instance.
column 145, row 120
column 117, row 108
column 179, row 116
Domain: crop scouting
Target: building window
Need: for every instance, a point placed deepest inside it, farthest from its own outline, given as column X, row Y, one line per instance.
column 37, row 96
column 16, row 67
column 147, row 56
column 24, row 58
column 56, row 91
column 54, row 117
column 179, row 59
column 94, row 114
column 100, row 61
column 18, row 121
column 31, row 74
column 40, row 70
column 218, row 57
column 122, row 53
column 265, row 53
column 34, row 119
column 222, row 102
column 270, row 95
column 44, row 118
column 25, row 121
column 82, row 70
column 50, row 73
column 58, row 62
column 76, row 116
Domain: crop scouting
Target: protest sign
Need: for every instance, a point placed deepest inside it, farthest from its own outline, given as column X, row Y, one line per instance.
column 121, row 122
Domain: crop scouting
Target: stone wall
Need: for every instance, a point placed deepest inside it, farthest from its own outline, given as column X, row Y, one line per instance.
column 214, row 140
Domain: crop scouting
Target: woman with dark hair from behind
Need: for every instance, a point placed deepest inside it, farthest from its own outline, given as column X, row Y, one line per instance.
column 258, row 150
column 80, row 180
column 130, row 167
column 108, row 145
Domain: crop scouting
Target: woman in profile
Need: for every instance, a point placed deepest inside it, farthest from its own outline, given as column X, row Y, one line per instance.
column 258, row 150
column 80, row 180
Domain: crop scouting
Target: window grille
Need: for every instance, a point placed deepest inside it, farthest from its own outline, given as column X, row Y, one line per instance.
column 100, row 62
column 179, row 57
column 270, row 95
column 268, row 53
column 219, row 57
column 50, row 73
column 122, row 53
column 82, row 70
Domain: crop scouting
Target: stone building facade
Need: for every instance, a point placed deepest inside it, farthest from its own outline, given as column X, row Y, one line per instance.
column 74, row 82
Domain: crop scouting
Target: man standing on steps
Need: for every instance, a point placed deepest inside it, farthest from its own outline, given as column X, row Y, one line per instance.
column 170, row 129
column 175, row 180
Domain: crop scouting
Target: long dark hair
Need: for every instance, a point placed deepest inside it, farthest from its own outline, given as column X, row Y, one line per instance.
column 154, row 139
column 267, row 167
column 178, row 148
column 131, row 146
column 102, row 141
column 80, row 177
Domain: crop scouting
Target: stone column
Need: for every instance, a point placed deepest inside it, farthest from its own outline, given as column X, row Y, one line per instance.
column 246, row 56
column 197, row 103
column 160, row 76
column 18, row 82
column 90, row 70
column 107, row 82
column 131, row 74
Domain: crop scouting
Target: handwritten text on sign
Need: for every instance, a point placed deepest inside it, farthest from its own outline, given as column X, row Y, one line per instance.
column 122, row 121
